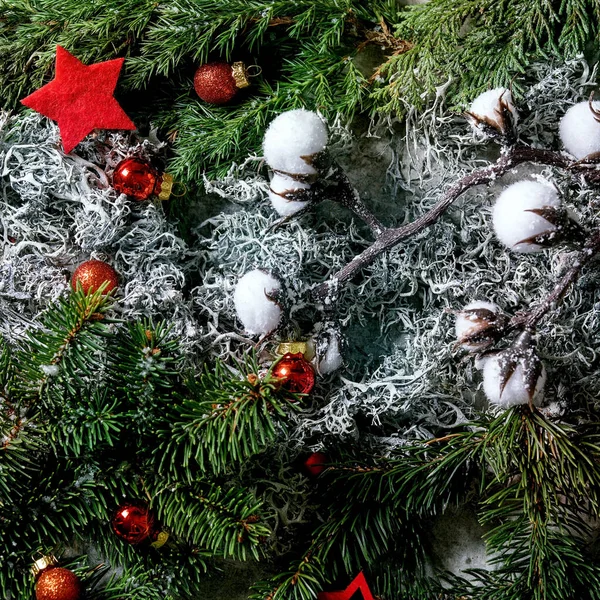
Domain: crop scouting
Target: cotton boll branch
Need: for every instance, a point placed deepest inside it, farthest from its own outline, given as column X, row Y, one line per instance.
column 337, row 187
column 391, row 237
column 529, row 320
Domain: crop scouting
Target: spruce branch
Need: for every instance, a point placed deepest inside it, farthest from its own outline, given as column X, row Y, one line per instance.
column 230, row 416
column 225, row 522
column 61, row 349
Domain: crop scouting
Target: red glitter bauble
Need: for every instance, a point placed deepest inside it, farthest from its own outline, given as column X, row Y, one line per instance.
column 56, row 583
column 315, row 464
column 139, row 180
column 92, row 274
column 295, row 372
column 215, row 83
column 135, row 523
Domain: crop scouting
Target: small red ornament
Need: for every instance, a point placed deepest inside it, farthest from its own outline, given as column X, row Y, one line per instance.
column 135, row 523
column 56, row 583
column 359, row 583
column 92, row 274
column 218, row 82
column 295, row 372
column 80, row 98
column 316, row 463
column 139, row 180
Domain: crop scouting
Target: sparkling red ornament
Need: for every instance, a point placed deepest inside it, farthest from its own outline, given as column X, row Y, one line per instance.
column 80, row 98
column 316, row 463
column 56, row 583
column 135, row 523
column 295, row 372
column 139, row 180
column 92, row 274
column 219, row 82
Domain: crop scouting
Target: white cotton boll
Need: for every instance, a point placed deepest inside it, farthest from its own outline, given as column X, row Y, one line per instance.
column 292, row 135
column 470, row 329
column 512, row 221
column 488, row 107
column 579, row 131
column 281, row 184
column 515, row 391
column 254, row 305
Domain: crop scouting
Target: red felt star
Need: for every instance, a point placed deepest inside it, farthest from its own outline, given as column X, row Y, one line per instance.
column 360, row 583
column 81, row 98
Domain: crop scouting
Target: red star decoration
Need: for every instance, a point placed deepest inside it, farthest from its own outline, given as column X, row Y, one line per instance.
column 80, row 98
column 360, row 583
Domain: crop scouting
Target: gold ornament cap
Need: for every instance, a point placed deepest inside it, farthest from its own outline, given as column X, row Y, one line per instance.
column 166, row 187
column 161, row 540
column 240, row 75
column 291, row 348
column 41, row 564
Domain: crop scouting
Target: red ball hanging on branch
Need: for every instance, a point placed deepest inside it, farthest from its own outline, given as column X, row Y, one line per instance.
column 219, row 82
column 295, row 373
column 139, row 180
column 316, row 463
column 135, row 523
column 92, row 274
column 55, row 583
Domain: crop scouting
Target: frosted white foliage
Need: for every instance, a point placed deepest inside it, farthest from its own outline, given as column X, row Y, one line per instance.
column 515, row 392
column 281, row 184
column 468, row 324
column 487, row 106
column 57, row 211
column 580, row 131
column 292, row 138
column 254, row 303
column 332, row 359
column 513, row 223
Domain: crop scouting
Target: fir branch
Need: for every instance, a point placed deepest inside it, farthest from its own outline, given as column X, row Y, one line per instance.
column 302, row 581
column 61, row 350
column 230, row 416
column 31, row 30
column 88, row 423
column 226, row 523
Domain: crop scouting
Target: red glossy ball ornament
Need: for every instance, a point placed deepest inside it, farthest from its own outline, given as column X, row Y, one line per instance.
column 316, row 463
column 56, row 583
column 218, row 82
column 135, row 523
column 139, row 180
column 92, row 274
column 295, row 372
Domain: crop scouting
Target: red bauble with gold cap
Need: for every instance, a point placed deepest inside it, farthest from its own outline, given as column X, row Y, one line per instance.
column 58, row 584
column 139, row 180
column 55, row 583
column 92, row 274
column 295, row 373
column 135, row 523
column 219, row 82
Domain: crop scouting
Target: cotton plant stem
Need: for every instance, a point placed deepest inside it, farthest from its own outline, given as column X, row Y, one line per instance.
column 390, row 237
column 347, row 196
column 528, row 320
